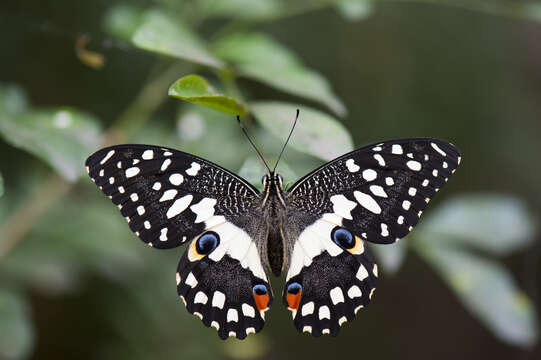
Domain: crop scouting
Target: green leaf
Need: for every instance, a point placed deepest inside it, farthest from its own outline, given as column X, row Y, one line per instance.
column 495, row 223
column 259, row 57
column 62, row 137
column 391, row 257
column 252, row 170
column 1, row 185
column 316, row 133
column 355, row 9
column 487, row 290
column 162, row 34
column 195, row 89
column 17, row 334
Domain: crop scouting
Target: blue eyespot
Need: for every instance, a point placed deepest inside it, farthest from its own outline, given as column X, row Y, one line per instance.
column 207, row 242
column 260, row 289
column 343, row 238
column 294, row 288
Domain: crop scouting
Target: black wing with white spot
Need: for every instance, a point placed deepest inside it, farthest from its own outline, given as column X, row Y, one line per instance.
column 168, row 197
column 381, row 190
column 377, row 194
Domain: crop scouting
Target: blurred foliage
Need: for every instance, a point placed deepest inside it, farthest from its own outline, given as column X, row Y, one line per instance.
column 59, row 239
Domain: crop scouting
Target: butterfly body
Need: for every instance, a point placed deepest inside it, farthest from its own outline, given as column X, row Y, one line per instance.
column 314, row 233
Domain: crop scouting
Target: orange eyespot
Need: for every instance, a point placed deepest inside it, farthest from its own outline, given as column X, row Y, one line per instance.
column 261, row 297
column 293, row 295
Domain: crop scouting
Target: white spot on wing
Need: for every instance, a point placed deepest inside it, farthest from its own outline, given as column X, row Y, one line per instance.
column 342, row 206
column 406, row 204
column 379, row 159
column 140, row 209
column 203, row 209
column 157, row 186
column 200, row 298
column 384, row 230
column 176, row 179
column 218, row 299
column 370, row 174
column 179, row 206
column 168, row 195
column 414, row 165
column 337, row 296
column 107, row 157
column 248, row 310
column 397, row 149
column 362, row 273
column 324, row 312
column 378, row 191
column 352, row 167
column 163, row 234
column 194, row 169
column 437, row 148
column 134, row 197
column 191, row 280
column 389, row 181
column 131, row 172
column 354, row 292
column 307, row 308
column 367, row 202
column 147, row 155
column 232, row 315
column 412, row 191
column 165, row 164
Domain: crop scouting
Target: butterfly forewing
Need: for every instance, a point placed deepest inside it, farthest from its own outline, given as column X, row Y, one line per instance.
column 379, row 191
column 168, row 198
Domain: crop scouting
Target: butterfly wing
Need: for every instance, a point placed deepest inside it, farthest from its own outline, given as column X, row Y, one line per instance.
column 376, row 194
column 168, row 198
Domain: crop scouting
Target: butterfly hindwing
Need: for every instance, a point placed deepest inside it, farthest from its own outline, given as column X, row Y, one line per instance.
column 222, row 281
column 328, row 281
column 376, row 194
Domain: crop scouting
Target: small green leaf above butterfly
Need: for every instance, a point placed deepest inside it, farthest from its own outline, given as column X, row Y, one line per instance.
column 196, row 89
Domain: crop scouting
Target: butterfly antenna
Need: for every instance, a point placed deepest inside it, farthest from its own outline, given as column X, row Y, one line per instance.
column 287, row 140
column 253, row 145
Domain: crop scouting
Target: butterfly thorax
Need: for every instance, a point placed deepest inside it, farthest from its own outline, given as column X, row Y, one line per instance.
column 274, row 208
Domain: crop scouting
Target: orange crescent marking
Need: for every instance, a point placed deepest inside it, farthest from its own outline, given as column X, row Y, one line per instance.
column 293, row 300
column 261, row 301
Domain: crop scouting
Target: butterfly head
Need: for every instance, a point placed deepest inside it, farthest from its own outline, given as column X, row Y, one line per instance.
column 272, row 180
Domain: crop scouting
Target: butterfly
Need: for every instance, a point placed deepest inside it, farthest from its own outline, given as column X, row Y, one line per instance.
column 315, row 232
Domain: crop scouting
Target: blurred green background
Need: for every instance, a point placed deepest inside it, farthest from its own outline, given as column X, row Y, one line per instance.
column 75, row 76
